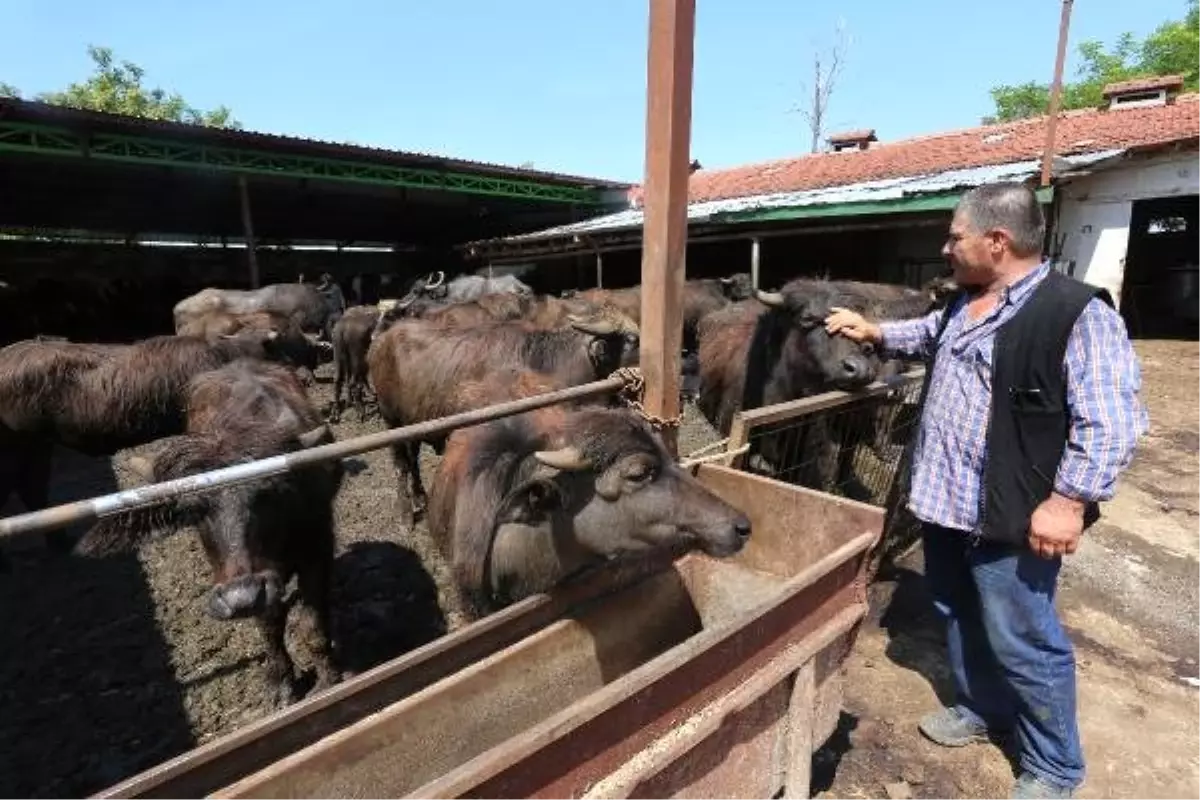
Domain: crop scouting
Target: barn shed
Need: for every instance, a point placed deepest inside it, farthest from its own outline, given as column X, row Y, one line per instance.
column 1121, row 208
column 97, row 207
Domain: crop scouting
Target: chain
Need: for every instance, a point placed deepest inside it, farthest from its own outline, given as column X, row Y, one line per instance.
column 632, row 394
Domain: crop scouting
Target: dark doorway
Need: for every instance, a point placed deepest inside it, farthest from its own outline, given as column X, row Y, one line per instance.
column 1160, row 297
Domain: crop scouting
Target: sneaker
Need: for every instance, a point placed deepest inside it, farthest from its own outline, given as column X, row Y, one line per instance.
column 949, row 728
column 1030, row 785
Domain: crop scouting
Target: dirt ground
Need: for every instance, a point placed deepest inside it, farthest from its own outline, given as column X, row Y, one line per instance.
column 112, row 665
column 1129, row 599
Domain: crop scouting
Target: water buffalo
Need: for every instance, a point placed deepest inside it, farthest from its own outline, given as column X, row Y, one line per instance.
column 301, row 350
column 416, row 369
column 98, row 399
column 775, row 348
column 307, row 306
column 351, row 339
column 256, row 535
column 520, row 504
column 700, row 297
column 465, row 287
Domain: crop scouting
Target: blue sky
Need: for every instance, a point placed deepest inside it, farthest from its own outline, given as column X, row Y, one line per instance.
column 559, row 83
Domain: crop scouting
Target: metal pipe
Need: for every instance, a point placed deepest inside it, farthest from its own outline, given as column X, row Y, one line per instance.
column 755, row 247
column 599, row 270
column 1056, row 91
column 248, row 230
column 144, row 496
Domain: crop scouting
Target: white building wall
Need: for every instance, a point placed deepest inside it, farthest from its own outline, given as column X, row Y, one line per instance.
column 1093, row 222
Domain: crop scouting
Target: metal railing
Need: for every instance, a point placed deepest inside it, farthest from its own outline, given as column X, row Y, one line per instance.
column 846, row 443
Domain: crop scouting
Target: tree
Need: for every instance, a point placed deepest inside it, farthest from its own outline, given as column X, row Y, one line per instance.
column 1170, row 50
column 117, row 88
column 825, row 77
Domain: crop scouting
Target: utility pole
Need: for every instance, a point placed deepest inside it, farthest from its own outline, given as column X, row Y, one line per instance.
column 1056, row 91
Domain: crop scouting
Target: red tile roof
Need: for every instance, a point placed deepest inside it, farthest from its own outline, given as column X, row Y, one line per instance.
column 1144, row 85
column 1081, row 131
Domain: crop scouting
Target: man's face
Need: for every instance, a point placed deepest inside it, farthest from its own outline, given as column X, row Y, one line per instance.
column 974, row 254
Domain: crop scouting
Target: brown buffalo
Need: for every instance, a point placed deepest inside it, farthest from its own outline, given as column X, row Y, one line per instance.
column 351, row 340
column 417, row 368
column 98, row 399
column 258, row 534
column 701, row 297
column 303, row 351
column 520, row 504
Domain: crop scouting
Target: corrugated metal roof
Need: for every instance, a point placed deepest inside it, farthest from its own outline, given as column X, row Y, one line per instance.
column 34, row 111
column 866, row 192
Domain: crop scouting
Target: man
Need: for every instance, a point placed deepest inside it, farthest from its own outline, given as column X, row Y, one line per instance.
column 1030, row 412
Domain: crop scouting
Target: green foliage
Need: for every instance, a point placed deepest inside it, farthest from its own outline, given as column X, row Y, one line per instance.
column 1172, row 49
column 116, row 87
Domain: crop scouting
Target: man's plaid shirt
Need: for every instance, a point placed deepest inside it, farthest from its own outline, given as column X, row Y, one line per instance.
column 1103, row 380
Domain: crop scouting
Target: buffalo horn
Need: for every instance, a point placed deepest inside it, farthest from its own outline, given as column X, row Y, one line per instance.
column 314, row 437
column 568, row 459
column 142, row 467
column 596, row 327
column 772, row 299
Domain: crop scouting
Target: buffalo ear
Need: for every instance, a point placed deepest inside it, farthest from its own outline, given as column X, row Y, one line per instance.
column 122, row 533
column 530, row 503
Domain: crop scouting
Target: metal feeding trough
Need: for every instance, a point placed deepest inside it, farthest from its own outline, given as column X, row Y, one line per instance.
column 693, row 677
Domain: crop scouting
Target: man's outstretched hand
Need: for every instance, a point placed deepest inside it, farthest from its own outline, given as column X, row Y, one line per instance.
column 852, row 325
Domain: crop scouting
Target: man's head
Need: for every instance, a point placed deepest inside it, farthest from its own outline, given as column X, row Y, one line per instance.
column 997, row 229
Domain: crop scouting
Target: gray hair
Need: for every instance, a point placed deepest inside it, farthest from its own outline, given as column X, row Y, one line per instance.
column 1011, row 206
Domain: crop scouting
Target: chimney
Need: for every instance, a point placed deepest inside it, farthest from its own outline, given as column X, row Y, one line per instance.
column 1157, row 91
column 852, row 140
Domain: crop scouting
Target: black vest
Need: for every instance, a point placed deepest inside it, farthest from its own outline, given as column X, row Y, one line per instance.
column 1030, row 420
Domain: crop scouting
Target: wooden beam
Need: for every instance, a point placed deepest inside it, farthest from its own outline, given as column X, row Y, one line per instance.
column 668, row 133
column 248, row 231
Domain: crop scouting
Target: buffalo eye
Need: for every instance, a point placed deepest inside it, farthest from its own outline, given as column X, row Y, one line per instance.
column 639, row 473
column 868, row 349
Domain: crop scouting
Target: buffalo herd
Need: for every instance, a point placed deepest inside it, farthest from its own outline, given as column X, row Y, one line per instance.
column 517, row 504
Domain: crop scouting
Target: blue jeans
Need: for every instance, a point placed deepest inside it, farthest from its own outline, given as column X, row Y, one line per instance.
column 1013, row 665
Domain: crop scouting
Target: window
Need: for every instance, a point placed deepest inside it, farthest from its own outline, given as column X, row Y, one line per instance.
column 1167, row 225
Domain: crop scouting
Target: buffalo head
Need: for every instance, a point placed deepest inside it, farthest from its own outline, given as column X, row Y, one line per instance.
column 833, row 361
column 737, row 287
column 242, row 527
column 612, row 488
column 615, row 341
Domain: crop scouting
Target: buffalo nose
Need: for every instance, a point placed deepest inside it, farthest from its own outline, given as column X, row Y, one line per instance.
column 241, row 597
column 741, row 526
column 852, row 367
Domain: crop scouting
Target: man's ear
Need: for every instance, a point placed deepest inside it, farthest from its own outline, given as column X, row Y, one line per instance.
column 531, row 503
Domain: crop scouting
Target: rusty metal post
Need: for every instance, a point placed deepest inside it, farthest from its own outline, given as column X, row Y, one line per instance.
column 248, row 230
column 1056, row 91
column 664, row 248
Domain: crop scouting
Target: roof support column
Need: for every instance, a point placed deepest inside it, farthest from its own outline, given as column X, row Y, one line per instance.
column 755, row 248
column 248, row 231
column 668, row 131
column 599, row 270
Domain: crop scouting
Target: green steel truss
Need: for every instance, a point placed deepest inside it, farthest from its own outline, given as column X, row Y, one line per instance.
column 46, row 140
